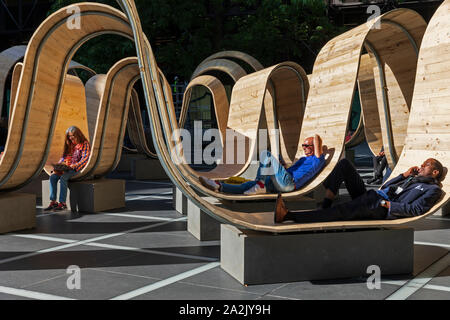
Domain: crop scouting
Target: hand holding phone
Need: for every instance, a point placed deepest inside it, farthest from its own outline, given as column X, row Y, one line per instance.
column 411, row 171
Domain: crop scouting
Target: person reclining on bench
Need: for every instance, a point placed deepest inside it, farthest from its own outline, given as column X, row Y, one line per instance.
column 273, row 177
column 410, row 194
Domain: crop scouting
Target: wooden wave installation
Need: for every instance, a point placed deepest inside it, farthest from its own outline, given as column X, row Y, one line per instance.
column 332, row 81
column 223, row 62
column 9, row 60
column 109, row 98
column 331, row 96
column 41, row 84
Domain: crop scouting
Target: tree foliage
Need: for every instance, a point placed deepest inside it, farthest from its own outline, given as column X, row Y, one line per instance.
column 183, row 33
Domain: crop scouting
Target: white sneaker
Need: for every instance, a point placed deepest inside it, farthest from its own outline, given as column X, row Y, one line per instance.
column 210, row 184
column 258, row 188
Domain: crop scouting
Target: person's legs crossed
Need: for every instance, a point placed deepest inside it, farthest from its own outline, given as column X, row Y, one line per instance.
column 344, row 172
column 270, row 166
column 365, row 207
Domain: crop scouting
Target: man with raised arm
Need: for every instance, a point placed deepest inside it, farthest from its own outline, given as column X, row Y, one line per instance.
column 273, row 177
column 410, row 194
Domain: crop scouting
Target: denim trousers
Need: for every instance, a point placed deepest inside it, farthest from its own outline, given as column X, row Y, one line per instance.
column 271, row 172
column 64, row 183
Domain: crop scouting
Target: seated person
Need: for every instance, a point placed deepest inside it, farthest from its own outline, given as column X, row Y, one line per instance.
column 273, row 177
column 76, row 155
column 410, row 194
column 379, row 164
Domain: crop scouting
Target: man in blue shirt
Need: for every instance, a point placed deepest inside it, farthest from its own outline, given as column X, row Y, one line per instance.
column 273, row 177
column 410, row 194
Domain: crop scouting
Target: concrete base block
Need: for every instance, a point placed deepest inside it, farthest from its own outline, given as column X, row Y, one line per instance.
column 147, row 169
column 18, row 212
column 126, row 160
column 201, row 225
column 180, row 201
column 35, row 186
column 91, row 195
column 262, row 258
column 444, row 211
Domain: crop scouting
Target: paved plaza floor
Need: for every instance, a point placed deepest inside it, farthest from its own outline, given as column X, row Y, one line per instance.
column 145, row 252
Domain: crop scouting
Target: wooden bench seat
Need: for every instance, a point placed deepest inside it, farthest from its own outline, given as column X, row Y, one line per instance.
column 332, row 86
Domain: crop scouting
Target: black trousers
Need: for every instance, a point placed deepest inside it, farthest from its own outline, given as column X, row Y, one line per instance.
column 379, row 164
column 365, row 205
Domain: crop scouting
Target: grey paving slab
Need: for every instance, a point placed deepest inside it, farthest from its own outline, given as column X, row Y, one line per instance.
column 431, row 223
column 135, row 215
column 428, row 294
column 218, row 278
column 152, row 205
column 425, row 256
column 21, row 278
column 348, row 289
column 38, row 268
column 185, row 291
column 11, row 246
column 94, row 285
column 443, row 278
column 6, row 297
column 272, row 297
column 434, row 236
column 153, row 265
column 84, row 226
column 177, row 239
column 108, row 272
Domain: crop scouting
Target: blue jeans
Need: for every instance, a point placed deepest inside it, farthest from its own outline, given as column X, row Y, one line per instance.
column 64, row 183
column 271, row 172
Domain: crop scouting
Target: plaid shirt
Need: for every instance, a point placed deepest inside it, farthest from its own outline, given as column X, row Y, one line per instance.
column 79, row 157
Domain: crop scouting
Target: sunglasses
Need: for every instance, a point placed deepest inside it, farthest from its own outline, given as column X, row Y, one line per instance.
column 307, row 145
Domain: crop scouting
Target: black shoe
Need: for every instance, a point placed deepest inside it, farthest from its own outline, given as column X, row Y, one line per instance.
column 60, row 207
column 53, row 205
column 375, row 180
column 280, row 210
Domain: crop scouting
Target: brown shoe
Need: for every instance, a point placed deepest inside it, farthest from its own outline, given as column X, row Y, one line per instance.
column 280, row 210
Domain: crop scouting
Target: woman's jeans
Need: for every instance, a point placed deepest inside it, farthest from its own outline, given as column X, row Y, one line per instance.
column 271, row 172
column 64, row 183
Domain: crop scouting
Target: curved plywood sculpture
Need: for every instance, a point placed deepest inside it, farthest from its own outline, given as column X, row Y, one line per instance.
column 396, row 72
column 335, row 72
column 234, row 55
column 41, row 84
column 10, row 57
column 230, row 68
column 8, row 60
column 219, row 98
column 72, row 112
column 251, row 99
column 108, row 97
column 135, row 127
column 200, row 77
column 327, row 113
column 369, row 104
column 216, row 62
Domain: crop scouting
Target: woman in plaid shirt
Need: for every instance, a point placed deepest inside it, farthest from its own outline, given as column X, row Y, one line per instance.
column 76, row 155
